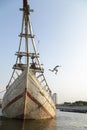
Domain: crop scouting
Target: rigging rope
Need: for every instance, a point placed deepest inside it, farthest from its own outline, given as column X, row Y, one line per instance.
column 2, row 91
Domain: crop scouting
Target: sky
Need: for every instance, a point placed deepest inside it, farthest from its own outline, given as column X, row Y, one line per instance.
column 60, row 29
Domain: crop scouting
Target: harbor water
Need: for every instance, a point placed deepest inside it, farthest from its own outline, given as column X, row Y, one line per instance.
column 63, row 121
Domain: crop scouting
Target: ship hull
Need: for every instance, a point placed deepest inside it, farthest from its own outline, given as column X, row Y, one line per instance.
column 26, row 99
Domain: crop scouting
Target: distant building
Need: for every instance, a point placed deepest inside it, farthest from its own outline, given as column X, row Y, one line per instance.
column 0, row 102
column 55, row 98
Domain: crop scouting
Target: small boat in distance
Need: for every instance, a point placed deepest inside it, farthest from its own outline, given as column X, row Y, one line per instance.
column 28, row 95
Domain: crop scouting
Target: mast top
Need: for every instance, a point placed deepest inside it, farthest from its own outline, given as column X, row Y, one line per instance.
column 25, row 3
column 26, row 7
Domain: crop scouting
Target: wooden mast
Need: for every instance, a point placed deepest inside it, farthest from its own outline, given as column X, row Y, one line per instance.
column 26, row 33
column 26, row 13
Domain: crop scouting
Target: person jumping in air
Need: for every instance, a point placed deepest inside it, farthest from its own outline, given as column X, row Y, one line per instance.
column 55, row 69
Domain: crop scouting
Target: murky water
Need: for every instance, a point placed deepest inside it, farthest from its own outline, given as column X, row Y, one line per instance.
column 63, row 121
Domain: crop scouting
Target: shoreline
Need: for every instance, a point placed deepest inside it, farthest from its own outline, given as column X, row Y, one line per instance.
column 78, row 109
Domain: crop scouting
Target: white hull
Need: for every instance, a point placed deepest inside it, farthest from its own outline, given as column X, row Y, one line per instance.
column 26, row 99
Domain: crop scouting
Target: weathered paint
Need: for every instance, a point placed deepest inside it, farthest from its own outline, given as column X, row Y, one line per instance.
column 27, row 99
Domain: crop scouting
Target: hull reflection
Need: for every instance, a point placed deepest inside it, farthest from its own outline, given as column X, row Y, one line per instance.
column 28, row 124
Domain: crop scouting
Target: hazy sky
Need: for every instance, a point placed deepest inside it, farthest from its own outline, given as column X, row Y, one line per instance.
column 60, row 26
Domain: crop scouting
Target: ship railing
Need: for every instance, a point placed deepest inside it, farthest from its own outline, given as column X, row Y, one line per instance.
column 42, row 80
column 14, row 76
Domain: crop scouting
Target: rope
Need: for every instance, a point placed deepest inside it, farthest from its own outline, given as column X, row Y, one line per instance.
column 2, row 91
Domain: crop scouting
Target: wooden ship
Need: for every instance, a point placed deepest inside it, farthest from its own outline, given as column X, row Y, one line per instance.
column 28, row 95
